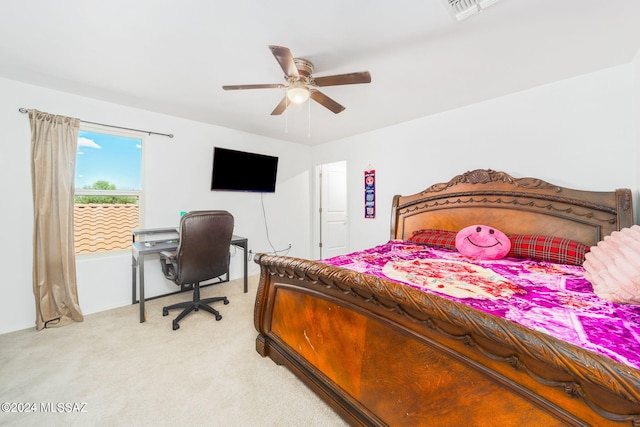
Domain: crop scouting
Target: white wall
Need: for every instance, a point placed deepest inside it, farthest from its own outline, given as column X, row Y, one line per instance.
column 177, row 178
column 636, row 120
column 579, row 133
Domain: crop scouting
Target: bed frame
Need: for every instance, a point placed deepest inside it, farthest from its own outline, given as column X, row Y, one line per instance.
column 385, row 354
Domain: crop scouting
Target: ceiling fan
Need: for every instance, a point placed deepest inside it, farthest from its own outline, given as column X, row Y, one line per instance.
column 300, row 83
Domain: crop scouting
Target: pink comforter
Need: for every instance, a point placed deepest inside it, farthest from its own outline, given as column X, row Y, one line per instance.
column 551, row 298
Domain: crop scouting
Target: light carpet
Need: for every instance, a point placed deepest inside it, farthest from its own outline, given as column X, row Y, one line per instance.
column 111, row 370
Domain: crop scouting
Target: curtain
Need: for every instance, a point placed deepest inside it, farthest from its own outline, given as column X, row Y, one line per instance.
column 54, row 141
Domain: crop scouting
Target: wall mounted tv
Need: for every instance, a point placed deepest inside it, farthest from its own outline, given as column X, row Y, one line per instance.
column 241, row 171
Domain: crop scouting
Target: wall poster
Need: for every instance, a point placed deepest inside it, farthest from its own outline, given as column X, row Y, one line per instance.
column 370, row 194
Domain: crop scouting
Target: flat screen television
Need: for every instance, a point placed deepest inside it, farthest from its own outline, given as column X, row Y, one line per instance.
column 241, row 171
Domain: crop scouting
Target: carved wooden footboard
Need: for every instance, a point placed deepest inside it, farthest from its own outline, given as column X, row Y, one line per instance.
column 386, row 354
column 381, row 353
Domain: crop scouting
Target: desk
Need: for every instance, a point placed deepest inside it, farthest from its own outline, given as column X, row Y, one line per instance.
column 141, row 249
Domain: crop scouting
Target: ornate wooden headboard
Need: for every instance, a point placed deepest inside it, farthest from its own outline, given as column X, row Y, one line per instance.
column 512, row 205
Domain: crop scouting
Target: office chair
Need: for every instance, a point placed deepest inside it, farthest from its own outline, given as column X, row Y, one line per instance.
column 202, row 254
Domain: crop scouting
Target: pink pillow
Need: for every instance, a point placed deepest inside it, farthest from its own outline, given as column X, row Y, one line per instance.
column 482, row 242
column 612, row 266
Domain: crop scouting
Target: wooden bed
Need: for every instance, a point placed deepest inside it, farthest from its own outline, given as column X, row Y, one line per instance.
column 381, row 353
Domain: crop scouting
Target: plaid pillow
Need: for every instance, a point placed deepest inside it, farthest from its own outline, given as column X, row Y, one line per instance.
column 547, row 248
column 437, row 238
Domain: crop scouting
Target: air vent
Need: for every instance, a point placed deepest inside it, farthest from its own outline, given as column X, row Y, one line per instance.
column 462, row 9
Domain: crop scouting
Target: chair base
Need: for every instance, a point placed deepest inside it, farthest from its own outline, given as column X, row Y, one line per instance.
column 194, row 305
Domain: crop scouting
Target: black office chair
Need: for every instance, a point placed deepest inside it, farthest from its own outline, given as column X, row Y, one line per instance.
column 202, row 254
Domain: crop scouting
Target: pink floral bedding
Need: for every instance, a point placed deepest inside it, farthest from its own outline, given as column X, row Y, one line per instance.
column 552, row 298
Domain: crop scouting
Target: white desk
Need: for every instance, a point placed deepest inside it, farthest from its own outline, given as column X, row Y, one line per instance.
column 141, row 249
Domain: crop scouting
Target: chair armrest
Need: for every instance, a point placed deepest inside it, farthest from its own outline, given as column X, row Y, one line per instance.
column 168, row 264
column 168, row 254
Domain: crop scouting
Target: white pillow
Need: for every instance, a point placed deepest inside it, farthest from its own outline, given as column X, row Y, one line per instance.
column 613, row 266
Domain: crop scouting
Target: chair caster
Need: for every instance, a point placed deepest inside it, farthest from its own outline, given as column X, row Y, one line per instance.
column 165, row 312
column 218, row 317
column 226, row 302
column 175, row 325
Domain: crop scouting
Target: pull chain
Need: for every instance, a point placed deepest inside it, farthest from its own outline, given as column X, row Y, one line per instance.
column 309, row 118
column 286, row 112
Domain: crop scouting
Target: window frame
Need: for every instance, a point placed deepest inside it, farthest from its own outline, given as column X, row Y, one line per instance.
column 125, row 133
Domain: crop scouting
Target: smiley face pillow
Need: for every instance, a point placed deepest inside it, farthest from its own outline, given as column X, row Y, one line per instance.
column 482, row 242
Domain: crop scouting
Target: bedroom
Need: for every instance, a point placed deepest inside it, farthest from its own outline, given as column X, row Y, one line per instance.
column 578, row 130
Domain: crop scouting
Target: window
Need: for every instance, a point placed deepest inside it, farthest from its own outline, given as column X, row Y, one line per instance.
column 108, row 188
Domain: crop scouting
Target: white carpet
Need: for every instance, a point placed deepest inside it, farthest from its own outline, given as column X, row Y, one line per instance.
column 117, row 371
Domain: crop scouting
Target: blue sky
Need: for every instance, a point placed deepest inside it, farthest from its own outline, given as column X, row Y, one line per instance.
column 103, row 157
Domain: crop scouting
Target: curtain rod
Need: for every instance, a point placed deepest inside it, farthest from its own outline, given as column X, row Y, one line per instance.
column 170, row 135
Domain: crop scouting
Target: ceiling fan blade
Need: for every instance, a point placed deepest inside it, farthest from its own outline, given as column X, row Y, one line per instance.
column 343, row 79
column 258, row 86
column 326, row 102
column 280, row 107
column 285, row 59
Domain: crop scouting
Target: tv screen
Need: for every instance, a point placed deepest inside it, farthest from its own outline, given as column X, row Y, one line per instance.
column 240, row 171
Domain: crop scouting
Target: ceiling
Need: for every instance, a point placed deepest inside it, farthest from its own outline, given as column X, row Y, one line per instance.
column 173, row 57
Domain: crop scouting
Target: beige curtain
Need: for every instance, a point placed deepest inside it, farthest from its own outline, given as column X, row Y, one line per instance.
column 54, row 140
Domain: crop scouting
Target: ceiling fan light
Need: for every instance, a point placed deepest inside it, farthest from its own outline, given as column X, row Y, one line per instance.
column 297, row 93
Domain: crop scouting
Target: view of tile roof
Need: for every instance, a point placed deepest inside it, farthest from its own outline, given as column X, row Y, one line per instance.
column 104, row 227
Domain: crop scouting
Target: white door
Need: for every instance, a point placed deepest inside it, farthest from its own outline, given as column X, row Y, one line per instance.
column 334, row 230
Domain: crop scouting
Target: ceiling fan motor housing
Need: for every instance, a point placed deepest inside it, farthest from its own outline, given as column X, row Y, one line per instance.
column 304, row 67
